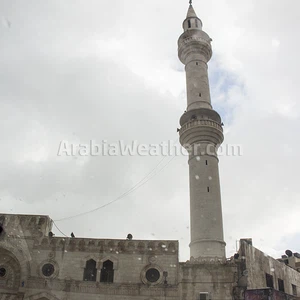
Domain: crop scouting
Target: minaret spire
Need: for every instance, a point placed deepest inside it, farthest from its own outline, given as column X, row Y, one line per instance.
column 191, row 12
column 201, row 133
column 191, row 2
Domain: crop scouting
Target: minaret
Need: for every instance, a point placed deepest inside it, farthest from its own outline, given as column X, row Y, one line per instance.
column 201, row 133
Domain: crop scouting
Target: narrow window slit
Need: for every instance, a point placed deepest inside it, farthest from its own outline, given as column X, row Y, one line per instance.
column 189, row 23
column 200, row 95
column 206, row 162
column 208, row 189
column 280, row 285
column 269, row 281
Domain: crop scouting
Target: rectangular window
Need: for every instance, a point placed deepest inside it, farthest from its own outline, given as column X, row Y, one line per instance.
column 269, row 281
column 203, row 296
column 189, row 23
column 280, row 285
column 294, row 288
column 206, row 162
column 208, row 188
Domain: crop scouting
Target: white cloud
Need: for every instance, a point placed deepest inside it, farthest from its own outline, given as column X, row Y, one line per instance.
column 275, row 43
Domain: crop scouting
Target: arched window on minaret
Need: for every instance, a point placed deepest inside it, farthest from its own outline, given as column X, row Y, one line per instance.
column 107, row 272
column 90, row 271
column 189, row 24
column 196, row 23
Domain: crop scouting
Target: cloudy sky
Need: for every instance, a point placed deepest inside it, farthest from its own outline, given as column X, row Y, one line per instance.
column 108, row 70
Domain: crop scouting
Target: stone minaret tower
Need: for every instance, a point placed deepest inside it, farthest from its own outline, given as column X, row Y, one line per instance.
column 201, row 133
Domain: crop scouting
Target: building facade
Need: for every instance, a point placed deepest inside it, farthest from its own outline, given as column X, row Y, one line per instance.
column 36, row 265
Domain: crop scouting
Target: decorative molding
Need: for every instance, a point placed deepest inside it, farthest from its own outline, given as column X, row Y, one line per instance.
column 26, row 225
column 194, row 38
column 87, row 287
column 112, row 258
column 209, row 261
column 11, row 296
column 152, row 259
column 196, row 123
column 106, row 246
column 42, row 295
column 87, row 258
column 198, row 131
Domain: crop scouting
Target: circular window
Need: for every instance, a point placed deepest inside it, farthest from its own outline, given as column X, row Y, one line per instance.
column 48, row 270
column 152, row 275
column 2, row 272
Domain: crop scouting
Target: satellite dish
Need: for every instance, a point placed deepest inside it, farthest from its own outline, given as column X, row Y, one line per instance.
column 289, row 253
column 297, row 255
column 236, row 256
column 129, row 236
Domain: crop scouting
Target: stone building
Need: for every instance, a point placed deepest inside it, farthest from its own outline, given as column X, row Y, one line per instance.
column 35, row 265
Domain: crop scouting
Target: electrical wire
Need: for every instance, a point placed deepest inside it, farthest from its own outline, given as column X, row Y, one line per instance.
column 59, row 229
column 143, row 181
column 132, row 189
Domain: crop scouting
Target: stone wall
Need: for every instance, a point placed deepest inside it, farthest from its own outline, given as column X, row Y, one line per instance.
column 38, row 266
column 257, row 264
column 268, row 294
column 216, row 277
column 26, row 225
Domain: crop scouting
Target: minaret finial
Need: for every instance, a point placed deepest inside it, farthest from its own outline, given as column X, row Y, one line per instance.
column 191, row 2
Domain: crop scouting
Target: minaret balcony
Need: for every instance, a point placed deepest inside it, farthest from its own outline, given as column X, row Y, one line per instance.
column 195, row 43
column 201, row 132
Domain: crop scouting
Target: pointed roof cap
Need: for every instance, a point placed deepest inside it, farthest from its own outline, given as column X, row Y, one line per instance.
column 191, row 12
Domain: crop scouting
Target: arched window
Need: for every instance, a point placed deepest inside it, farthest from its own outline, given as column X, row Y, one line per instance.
column 196, row 23
column 189, row 23
column 107, row 272
column 90, row 271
